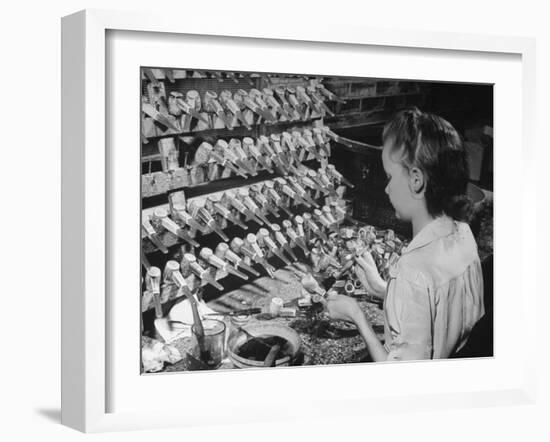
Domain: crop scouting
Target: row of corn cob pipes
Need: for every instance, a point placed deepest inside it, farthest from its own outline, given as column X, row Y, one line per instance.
column 239, row 256
column 204, row 215
column 282, row 153
column 155, row 74
column 245, row 157
column 181, row 112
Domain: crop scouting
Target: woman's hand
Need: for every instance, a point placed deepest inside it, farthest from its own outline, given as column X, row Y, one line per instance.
column 341, row 307
column 368, row 274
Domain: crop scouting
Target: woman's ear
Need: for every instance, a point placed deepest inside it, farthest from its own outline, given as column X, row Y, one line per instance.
column 417, row 182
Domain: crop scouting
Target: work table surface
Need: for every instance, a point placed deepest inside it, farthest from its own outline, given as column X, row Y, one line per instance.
column 323, row 341
column 327, row 342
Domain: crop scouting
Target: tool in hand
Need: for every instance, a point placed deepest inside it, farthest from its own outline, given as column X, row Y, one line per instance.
column 346, row 265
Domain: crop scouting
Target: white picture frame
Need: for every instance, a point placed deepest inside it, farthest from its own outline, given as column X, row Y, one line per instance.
column 85, row 217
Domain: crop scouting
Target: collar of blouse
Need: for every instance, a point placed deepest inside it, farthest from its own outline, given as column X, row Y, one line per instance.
column 438, row 228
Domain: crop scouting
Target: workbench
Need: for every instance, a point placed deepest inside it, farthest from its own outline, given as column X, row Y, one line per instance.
column 323, row 341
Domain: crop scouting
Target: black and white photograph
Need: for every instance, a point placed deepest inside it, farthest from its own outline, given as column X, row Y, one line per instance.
column 292, row 219
column 236, row 221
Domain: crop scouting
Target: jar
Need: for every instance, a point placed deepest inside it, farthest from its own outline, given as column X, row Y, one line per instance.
column 235, row 328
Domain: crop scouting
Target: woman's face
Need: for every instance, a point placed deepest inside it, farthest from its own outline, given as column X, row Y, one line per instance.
column 397, row 188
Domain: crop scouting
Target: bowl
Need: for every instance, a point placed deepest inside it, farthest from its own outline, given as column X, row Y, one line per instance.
column 263, row 329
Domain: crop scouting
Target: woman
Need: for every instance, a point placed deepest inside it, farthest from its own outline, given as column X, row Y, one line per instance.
column 434, row 295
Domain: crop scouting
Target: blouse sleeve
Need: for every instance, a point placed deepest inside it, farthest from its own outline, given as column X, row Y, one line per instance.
column 410, row 321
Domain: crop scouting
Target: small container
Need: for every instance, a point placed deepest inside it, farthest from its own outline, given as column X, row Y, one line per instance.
column 349, row 288
column 275, row 306
column 213, row 350
column 236, row 325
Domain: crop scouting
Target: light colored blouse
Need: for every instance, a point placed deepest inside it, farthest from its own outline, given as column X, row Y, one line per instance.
column 435, row 293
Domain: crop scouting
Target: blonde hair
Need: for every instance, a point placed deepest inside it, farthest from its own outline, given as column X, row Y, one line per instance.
column 432, row 144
